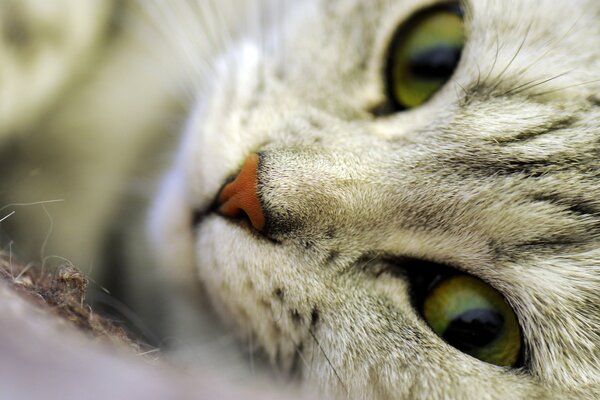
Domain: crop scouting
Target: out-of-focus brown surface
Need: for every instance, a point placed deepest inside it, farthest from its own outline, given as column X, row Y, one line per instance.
column 61, row 292
column 53, row 347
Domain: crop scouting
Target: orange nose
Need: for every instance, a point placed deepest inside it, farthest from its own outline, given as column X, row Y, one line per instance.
column 240, row 196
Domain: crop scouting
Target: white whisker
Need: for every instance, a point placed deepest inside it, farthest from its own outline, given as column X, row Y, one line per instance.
column 7, row 216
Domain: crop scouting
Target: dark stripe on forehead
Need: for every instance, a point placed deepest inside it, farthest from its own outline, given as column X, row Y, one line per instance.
column 529, row 134
column 575, row 205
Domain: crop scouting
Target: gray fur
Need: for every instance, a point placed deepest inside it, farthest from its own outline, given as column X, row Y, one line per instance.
column 497, row 175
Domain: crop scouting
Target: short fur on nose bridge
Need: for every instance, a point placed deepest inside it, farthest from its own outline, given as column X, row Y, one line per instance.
column 241, row 195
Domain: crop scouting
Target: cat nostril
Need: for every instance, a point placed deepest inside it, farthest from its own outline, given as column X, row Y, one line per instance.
column 240, row 196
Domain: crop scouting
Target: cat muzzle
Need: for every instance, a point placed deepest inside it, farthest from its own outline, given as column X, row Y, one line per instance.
column 239, row 198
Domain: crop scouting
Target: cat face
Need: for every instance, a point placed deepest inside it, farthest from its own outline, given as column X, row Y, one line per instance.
column 495, row 176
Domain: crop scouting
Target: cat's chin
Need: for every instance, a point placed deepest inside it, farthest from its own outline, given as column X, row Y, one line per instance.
column 171, row 234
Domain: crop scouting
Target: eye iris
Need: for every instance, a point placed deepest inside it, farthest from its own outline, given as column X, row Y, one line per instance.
column 473, row 317
column 424, row 54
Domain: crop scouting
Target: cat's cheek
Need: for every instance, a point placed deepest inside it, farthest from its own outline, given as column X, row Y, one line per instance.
column 171, row 233
column 257, row 287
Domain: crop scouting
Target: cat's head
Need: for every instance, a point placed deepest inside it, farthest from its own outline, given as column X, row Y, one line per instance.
column 384, row 197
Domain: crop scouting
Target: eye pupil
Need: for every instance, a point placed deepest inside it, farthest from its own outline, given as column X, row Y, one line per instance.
column 474, row 329
column 438, row 62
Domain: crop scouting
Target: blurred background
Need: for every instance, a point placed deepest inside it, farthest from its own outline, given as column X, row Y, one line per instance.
column 90, row 110
column 93, row 95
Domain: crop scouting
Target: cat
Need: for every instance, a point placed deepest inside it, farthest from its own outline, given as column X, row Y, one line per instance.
column 377, row 157
column 392, row 199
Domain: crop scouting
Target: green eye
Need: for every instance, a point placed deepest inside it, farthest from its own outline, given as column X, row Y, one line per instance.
column 424, row 54
column 473, row 317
